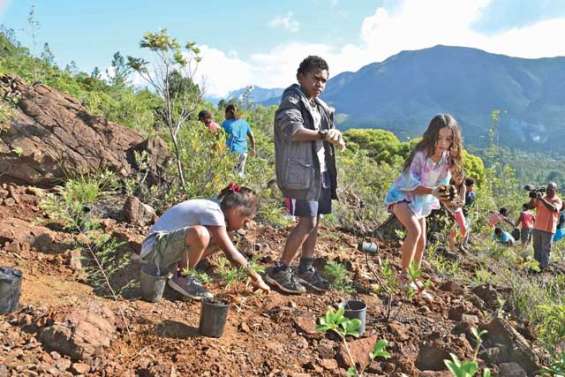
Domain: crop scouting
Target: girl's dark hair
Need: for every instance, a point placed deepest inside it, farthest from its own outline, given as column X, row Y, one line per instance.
column 312, row 63
column 231, row 112
column 430, row 138
column 503, row 211
column 204, row 114
column 234, row 196
column 469, row 181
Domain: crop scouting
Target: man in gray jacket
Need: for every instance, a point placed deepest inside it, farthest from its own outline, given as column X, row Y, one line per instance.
column 305, row 136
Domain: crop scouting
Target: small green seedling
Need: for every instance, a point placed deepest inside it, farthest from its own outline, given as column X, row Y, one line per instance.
column 478, row 335
column 230, row 275
column 379, row 350
column 414, row 272
column 335, row 320
column 466, row 368
column 200, row 276
column 338, row 276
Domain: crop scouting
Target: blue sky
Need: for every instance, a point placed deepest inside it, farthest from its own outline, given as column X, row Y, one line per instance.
column 262, row 42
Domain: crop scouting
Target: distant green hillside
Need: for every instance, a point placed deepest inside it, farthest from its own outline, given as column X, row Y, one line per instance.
column 404, row 92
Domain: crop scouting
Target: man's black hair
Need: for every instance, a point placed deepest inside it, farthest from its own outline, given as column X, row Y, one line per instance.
column 503, row 211
column 469, row 181
column 312, row 63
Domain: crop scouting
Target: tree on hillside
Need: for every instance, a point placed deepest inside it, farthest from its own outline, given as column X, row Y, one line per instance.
column 120, row 70
column 172, row 78
column 47, row 55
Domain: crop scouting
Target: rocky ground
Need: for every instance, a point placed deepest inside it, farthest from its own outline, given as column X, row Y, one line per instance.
column 65, row 327
column 68, row 324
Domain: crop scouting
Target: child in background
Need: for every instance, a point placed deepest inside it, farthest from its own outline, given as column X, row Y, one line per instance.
column 496, row 218
column 422, row 184
column 206, row 118
column 470, row 194
column 503, row 237
column 455, row 209
column 526, row 222
column 238, row 131
column 193, row 230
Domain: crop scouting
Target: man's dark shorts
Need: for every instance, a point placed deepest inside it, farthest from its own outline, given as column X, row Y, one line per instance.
column 313, row 208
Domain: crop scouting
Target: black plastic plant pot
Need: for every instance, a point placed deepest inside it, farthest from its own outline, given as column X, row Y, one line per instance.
column 10, row 289
column 152, row 283
column 355, row 309
column 213, row 316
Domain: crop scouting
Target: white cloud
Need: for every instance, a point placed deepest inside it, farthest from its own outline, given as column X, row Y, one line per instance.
column 413, row 24
column 285, row 22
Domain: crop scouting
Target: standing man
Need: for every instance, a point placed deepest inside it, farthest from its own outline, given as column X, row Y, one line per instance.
column 305, row 137
column 547, row 215
column 238, row 130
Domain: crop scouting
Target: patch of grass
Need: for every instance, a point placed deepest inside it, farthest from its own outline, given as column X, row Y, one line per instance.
column 109, row 262
column 72, row 205
column 203, row 277
column 338, row 277
column 482, row 276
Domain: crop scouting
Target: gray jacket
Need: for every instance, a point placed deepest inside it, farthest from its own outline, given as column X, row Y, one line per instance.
column 297, row 165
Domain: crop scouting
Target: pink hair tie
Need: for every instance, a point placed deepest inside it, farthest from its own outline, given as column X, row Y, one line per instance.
column 234, row 187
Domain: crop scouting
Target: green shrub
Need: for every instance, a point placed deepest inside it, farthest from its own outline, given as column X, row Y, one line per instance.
column 338, row 277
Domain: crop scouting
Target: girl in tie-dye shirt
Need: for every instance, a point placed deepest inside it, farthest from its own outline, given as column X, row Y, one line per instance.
column 416, row 192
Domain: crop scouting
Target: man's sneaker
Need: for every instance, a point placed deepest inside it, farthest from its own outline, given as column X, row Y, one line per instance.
column 285, row 280
column 189, row 287
column 312, row 278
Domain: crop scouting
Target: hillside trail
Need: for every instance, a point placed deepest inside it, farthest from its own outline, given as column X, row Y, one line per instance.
column 66, row 325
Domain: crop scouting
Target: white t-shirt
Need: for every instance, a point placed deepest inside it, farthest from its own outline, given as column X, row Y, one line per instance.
column 320, row 150
column 185, row 214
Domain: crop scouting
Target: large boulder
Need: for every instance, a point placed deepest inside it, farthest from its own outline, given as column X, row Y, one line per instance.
column 51, row 136
column 18, row 235
column 80, row 333
column 513, row 347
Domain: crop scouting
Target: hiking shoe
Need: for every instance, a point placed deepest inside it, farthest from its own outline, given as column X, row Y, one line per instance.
column 189, row 287
column 312, row 278
column 285, row 280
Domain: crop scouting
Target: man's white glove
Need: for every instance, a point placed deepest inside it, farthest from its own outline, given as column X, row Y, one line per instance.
column 335, row 137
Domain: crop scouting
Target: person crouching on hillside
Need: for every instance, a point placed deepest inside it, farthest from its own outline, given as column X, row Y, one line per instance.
column 421, row 186
column 503, row 237
column 195, row 229
column 305, row 136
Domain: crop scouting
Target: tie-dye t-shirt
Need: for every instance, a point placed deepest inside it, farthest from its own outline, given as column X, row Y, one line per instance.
column 423, row 171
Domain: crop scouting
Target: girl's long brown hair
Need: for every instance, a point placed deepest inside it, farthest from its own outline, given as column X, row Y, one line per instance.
column 430, row 138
